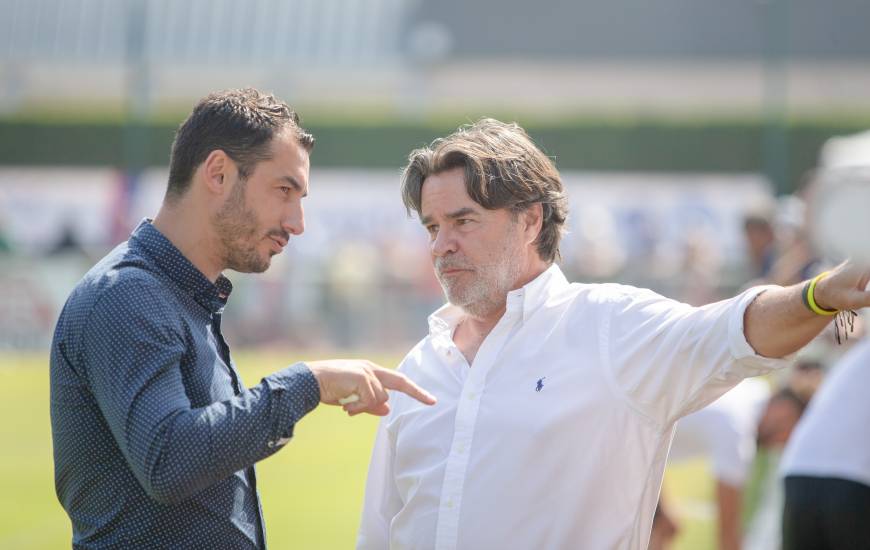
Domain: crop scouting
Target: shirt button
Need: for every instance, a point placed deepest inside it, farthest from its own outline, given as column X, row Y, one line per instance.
column 460, row 449
column 471, row 396
column 449, row 352
column 450, row 503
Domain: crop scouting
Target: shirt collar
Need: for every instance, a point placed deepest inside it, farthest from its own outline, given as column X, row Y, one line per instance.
column 525, row 300
column 170, row 260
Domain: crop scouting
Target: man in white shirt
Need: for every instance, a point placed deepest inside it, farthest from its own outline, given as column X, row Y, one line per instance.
column 826, row 463
column 556, row 400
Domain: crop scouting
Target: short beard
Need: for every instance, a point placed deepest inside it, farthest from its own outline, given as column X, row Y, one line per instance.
column 487, row 293
column 236, row 228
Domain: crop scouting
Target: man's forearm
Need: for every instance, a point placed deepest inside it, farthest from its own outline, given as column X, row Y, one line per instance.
column 199, row 447
column 778, row 323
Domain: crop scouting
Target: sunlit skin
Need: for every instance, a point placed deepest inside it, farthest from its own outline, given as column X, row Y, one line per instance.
column 479, row 255
column 230, row 223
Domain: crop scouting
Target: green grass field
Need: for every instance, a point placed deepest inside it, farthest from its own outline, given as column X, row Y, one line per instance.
column 311, row 490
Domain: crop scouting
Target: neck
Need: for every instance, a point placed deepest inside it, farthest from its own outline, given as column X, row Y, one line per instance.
column 188, row 230
column 531, row 273
column 481, row 323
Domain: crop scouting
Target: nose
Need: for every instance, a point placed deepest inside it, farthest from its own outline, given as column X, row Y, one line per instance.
column 294, row 219
column 443, row 243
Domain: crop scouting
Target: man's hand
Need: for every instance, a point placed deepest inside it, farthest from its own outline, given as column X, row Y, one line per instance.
column 845, row 287
column 340, row 379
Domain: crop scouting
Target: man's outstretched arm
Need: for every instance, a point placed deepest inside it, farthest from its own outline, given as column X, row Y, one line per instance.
column 778, row 323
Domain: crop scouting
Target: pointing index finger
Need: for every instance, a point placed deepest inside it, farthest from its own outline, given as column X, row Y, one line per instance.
column 397, row 381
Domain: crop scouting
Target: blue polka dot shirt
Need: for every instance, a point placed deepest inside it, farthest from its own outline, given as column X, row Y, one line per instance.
column 154, row 435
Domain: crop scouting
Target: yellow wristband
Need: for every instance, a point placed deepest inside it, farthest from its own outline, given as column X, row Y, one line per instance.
column 811, row 299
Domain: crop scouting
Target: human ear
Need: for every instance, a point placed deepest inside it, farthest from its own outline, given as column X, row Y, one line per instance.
column 215, row 169
column 533, row 220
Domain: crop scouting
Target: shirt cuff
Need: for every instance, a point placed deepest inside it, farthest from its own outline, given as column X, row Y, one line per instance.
column 741, row 350
column 294, row 393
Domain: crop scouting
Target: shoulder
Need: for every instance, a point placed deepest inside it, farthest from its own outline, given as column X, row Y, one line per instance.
column 414, row 361
column 120, row 283
column 133, row 307
column 627, row 298
column 615, row 292
column 607, row 295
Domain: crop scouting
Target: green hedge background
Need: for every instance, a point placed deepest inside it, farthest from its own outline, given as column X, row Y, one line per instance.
column 576, row 144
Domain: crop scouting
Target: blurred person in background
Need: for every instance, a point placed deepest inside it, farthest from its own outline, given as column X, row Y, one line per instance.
column 68, row 242
column 557, row 401
column 781, row 415
column 155, row 436
column 778, row 244
column 764, row 499
column 725, row 432
column 796, row 260
column 760, row 241
column 826, row 463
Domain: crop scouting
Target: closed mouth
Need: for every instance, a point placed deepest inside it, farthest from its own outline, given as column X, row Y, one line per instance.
column 281, row 242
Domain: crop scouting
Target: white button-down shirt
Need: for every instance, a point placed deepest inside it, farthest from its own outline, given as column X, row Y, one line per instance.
column 557, row 435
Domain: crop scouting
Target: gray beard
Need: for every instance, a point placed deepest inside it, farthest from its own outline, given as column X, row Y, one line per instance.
column 487, row 293
column 478, row 299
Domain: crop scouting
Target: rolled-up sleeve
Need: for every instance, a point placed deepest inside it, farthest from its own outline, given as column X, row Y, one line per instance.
column 132, row 350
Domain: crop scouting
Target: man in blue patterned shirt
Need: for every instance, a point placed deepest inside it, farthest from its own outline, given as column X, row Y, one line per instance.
column 155, row 437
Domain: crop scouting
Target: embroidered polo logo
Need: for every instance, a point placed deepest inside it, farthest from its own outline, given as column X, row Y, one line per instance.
column 540, row 384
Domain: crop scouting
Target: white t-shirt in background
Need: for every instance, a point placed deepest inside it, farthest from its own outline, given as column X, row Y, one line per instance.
column 832, row 438
column 724, row 431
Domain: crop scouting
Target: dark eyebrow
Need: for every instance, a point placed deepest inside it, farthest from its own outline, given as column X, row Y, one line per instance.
column 465, row 211
column 294, row 184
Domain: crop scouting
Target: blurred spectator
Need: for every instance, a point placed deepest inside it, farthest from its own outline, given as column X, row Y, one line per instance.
column 760, row 241
column 778, row 246
column 67, row 242
column 779, row 419
column 724, row 431
column 777, row 423
column 826, row 465
column 796, row 261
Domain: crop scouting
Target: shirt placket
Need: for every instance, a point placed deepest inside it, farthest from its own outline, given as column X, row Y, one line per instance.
column 447, row 529
column 250, row 472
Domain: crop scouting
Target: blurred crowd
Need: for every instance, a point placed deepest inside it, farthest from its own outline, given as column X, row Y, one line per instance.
column 748, row 435
column 360, row 276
